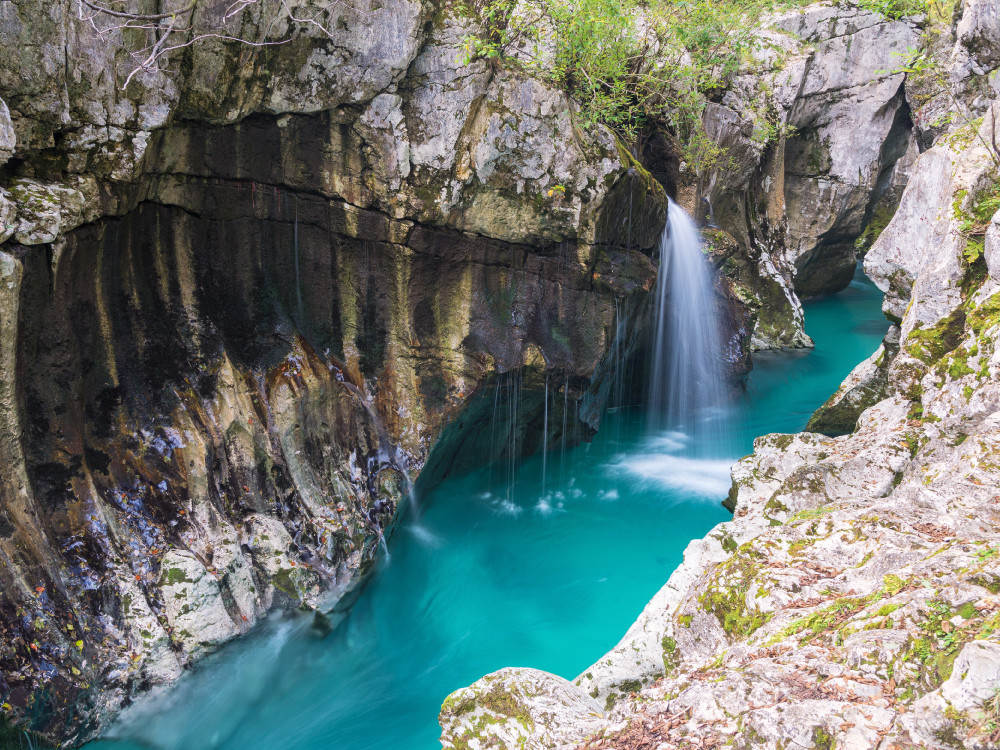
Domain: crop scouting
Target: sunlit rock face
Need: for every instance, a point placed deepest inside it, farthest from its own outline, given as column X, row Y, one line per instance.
column 851, row 125
column 816, row 135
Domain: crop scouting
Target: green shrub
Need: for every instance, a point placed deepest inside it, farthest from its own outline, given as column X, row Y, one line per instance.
column 626, row 74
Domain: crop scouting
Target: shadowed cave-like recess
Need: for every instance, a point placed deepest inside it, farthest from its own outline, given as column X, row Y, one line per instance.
column 227, row 390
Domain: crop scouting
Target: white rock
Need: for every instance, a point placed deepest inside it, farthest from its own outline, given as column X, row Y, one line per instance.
column 8, row 139
column 533, row 710
column 8, row 216
column 193, row 604
column 992, row 251
column 975, row 677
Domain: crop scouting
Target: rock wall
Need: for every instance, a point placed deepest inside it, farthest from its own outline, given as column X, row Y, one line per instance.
column 246, row 292
column 241, row 300
column 816, row 137
column 852, row 600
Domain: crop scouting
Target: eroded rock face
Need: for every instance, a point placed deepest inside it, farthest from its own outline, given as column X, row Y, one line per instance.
column 867, row 384
column 851, row 124
column 978, row 32
column 797, row 191
column 239, row 306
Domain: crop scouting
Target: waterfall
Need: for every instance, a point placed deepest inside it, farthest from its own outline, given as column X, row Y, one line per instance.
column 298, row 281
column 545, row 433
column 562, row 451
column 686, row 393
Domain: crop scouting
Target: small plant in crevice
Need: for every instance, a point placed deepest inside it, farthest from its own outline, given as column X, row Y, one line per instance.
column 897, row 9
column 931, row 76
column 987, row 728
column 974, row 221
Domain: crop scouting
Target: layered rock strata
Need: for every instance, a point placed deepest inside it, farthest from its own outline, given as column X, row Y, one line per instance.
column 240, row 303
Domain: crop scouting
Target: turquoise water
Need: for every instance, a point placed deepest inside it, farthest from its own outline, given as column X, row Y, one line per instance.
column 497, row 576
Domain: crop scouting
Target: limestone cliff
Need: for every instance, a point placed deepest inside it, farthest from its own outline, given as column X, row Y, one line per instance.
column 243, row 297
column 817, row 132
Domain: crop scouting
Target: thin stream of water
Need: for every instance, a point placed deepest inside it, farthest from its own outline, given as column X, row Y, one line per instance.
column 686, row 391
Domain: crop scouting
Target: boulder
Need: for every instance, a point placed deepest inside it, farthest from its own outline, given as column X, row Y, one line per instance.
column 519, row 708
column 193, row 603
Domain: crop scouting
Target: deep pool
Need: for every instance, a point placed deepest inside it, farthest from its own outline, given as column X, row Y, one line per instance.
column 494, row 577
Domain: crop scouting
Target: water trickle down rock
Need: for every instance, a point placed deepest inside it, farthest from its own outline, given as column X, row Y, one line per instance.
column 198, row 428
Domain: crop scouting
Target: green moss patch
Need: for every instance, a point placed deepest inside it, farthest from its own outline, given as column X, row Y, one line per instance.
column 726, row 595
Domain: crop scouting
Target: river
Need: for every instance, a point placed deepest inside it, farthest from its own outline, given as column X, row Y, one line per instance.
column 496, row 576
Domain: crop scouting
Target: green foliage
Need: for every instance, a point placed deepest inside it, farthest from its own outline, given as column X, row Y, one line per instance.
column 626, row 74
column 880, row 219
column 896, row 8
column 929, row 79
column 988, row 727
column 974, row 222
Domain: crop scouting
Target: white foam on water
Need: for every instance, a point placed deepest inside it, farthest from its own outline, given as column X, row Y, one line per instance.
column 667, row 442
column 702, row 477
column 545, row 506
column 507, row 508
column 424, row 535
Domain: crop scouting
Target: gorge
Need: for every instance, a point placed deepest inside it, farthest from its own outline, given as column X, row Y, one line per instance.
column 530, row 590
column 326, row 334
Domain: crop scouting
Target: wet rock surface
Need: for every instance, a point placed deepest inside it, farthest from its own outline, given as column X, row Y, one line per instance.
column 241, row 303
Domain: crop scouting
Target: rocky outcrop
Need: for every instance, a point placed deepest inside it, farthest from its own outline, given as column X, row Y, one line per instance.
column 867, row 384
column 850, row 125
column 242, row 301
column 245, row 291
column 852, row 600
column 816, row 135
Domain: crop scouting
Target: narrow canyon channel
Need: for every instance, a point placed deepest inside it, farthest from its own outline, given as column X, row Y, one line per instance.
column 496, row 573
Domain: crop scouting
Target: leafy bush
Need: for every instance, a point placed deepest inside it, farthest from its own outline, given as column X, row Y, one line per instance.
column 627, row 63
column 897, row 8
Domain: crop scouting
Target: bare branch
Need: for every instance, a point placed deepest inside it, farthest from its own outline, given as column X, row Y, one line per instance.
column 101, row 10
column 164, row 30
